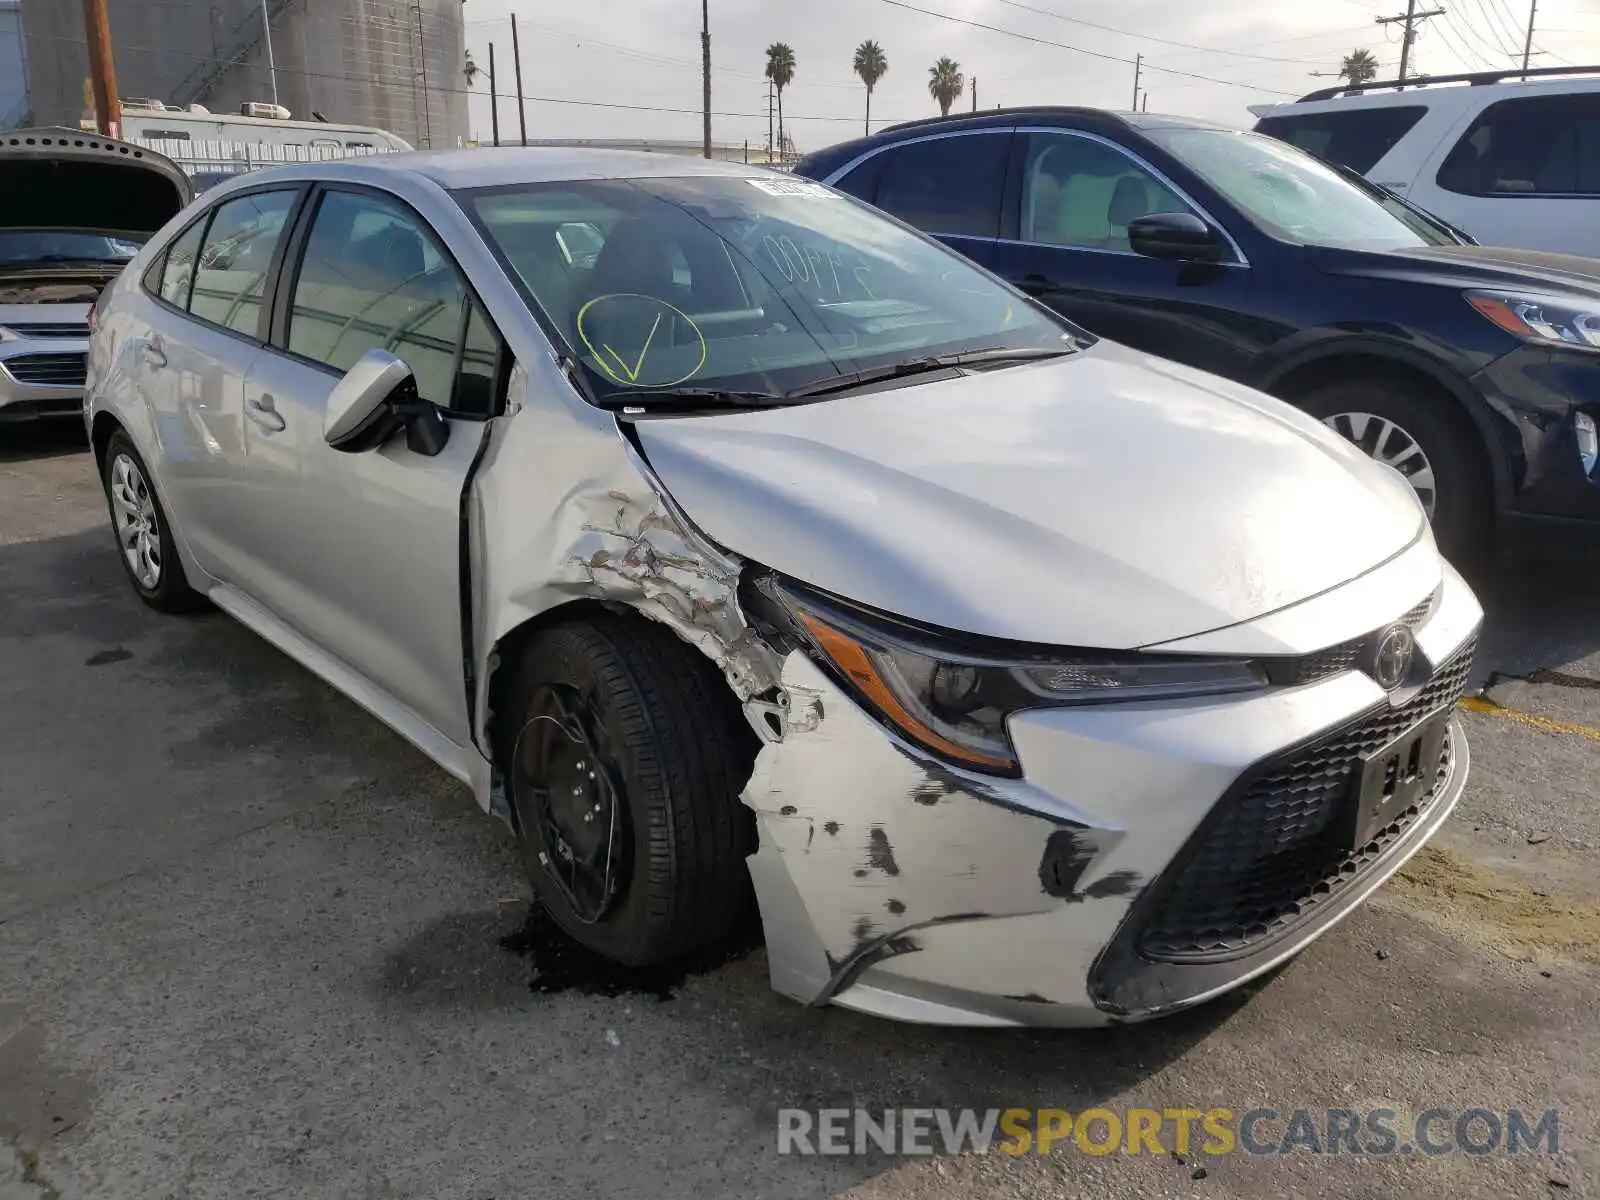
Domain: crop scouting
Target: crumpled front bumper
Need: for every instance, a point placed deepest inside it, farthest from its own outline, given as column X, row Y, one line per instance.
column 894, row 884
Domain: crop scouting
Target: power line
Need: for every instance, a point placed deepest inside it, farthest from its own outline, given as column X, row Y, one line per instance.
column 1149, row 37
column 1409, row 21
column 468, row 91
column 1028, row 37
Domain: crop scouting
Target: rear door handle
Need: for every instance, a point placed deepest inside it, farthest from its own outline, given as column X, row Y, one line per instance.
column 153, row 354
column 261, row 410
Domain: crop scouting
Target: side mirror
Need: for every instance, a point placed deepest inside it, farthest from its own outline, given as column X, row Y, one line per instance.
column 375, row 400
column 1176, row 237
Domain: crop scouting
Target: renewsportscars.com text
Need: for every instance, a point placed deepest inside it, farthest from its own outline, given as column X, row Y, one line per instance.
column 1376, row 1132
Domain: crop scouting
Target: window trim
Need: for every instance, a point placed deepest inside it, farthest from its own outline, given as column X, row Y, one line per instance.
column 1474, row 123
column 1241, row 261
column 299, row 236
column 274, row 270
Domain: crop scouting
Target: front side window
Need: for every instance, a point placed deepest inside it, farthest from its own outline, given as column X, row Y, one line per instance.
column 1536, row 146
column 372, row 277
column 232, row 269
column 1357, row 138
column 748, row 284
column 1083, row 193
column 1288, row 193
column 947, row 184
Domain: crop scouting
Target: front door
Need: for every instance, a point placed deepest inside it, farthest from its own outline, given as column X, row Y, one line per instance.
column 1077, row 196
column 361, row 552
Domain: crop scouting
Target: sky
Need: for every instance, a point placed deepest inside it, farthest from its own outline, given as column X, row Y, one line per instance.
column 1200, row 59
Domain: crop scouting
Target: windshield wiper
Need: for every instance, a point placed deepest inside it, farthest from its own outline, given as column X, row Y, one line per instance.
column 692, row 398
column 931, row 363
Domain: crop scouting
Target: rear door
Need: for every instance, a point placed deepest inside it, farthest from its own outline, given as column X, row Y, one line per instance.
column 1076, row 196
column 949, row 185
column 204, row 334
column 361, row 552
column 1524, row 172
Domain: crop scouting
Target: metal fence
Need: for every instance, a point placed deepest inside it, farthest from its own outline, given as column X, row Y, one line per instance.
column 232, row 158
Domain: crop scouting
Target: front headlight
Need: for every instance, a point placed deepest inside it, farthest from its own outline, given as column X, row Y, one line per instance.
column 1547, row 319
column 955, row 700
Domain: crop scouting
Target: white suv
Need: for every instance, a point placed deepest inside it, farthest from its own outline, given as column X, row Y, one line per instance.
column 1514, row 163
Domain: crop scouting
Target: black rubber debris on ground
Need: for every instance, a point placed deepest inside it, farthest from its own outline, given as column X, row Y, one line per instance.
column 559, row 964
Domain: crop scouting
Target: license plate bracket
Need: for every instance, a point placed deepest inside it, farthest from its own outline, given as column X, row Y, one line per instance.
column 1397, row 776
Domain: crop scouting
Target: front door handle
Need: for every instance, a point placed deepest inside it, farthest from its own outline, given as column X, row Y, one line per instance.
column 264, row 413
column 1037, row 283
column 153, row 354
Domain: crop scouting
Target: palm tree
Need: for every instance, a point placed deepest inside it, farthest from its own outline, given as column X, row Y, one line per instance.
column 945, row 83
column 1358, row 67
column 871, row 65
column 780, row 69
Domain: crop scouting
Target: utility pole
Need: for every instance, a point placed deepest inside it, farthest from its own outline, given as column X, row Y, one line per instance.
column 1527, row 46
column 516, row 59
column 272, row 67
column 769, row 122
column 974, row 93
column 1145, row 107
column 705, row 74
column 1410, row 20
column 102, row 70
column 1138, row 69
column 494, row 100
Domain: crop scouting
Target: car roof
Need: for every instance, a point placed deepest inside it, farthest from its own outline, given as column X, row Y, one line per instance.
column 495, row 167
column 1442, row 89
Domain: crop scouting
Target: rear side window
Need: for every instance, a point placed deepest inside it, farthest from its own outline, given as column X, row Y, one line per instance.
column 1357, row 138
column 233, row 265
column 373, row 278
column 1534, row 146
column 862, row 183
column 177, row 271
column 948, row 184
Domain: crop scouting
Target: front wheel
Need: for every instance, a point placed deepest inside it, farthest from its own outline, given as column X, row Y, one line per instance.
column 1427, row 439
column 624, row 754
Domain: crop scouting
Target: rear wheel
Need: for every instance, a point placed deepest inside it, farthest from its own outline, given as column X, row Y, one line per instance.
column 144, row 535
column 1427, row 439
column 624, row 755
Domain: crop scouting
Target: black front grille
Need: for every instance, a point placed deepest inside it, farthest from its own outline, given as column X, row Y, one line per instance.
column 49, row 329
column 1271, row 851
column 58, row 370
column 1335, row 660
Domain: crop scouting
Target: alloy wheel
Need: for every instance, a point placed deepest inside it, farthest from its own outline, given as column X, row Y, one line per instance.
column 1384, row 441
column 138, row 527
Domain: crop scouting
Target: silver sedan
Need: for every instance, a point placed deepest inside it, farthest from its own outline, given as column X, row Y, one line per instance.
column 738, row 545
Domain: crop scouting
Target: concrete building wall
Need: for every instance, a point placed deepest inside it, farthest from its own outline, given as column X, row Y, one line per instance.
column 13, row 67
column 388, row 63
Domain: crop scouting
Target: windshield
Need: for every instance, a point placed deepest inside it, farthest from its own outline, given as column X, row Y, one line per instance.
column 1291, row 194
column 24, row 247
column 740, row 284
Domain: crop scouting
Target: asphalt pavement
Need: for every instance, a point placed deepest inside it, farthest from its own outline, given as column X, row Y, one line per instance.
column 252, row 944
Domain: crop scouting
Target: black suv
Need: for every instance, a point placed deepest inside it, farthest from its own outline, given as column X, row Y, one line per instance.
column 1475, row 372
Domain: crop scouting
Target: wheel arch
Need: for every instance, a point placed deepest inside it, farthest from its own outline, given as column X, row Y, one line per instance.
column 1306, row 372
column 105, row 426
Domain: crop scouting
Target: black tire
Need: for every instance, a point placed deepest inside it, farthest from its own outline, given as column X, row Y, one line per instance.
column 671, row 739
column 1464, row 492
column 169, row 590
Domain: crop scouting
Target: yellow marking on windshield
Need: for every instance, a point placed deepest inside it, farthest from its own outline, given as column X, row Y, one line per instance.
column 622, row 372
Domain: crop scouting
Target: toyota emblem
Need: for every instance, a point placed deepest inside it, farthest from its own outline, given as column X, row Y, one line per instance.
column 1392, row 662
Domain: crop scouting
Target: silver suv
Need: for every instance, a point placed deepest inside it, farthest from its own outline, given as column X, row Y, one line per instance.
column 74, row 209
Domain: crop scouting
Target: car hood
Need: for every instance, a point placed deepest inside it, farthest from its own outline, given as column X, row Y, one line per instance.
column 67, row 179
column 1477, row 267
column 1112, row 499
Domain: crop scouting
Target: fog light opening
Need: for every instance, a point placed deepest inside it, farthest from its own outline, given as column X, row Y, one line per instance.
column 1588, row 442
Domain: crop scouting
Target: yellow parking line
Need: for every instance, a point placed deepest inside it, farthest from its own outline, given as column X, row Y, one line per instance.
column 1482, row 704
